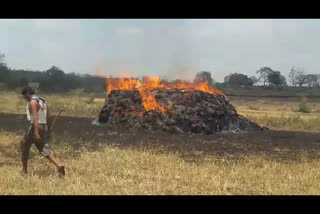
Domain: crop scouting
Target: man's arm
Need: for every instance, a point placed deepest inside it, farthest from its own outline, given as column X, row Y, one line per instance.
column 34, row 107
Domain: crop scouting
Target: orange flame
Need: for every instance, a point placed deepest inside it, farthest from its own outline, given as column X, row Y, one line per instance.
column 152, row 82
column 148, row 100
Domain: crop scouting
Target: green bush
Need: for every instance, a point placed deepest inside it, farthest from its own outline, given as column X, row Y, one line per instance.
column 304, row 108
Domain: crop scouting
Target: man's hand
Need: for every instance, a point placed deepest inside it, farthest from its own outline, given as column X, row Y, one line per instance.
column 37, row 138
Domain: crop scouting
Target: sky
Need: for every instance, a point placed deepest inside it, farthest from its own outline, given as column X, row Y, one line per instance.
column 170, row 48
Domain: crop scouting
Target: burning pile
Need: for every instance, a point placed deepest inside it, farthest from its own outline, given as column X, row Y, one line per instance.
column 175, row 107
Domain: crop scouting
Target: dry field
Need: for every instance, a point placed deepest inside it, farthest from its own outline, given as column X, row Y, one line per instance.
column 98, row 161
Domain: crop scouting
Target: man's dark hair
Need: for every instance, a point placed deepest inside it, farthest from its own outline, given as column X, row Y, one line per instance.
column 27, row 90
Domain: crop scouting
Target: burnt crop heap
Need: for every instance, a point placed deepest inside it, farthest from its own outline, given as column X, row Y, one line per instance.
column 174, row 107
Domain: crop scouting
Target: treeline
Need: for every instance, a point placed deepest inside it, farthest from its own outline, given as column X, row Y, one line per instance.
column 50, row 81
column 55, row 80
column 266, row 77
column 271, row 78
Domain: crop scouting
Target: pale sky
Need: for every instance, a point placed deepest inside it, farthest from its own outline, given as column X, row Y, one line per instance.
column 171, row 48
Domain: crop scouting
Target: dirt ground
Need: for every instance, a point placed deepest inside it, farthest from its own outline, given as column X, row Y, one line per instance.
column 276, row 144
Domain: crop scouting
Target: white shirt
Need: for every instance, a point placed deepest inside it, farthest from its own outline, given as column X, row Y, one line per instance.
column 42, row 113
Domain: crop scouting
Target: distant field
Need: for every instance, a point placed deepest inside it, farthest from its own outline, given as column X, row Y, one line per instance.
column 275, row 113
column 257, row 91
column 76, row 104
column 280, row 113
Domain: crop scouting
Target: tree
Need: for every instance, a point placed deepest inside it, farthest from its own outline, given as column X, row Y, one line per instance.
column 311, row 80
column 12, row 82
column 220, row 85
column 44, row 85
column 4, row 71
column 264, row 73
column 283, row 81
column 203, row 76
column 23, row 82
column 275, row 78
column 2, row 56
column 292, row 76
column 318, row 80
column 254, row 80
column 238, row 80
column 300, row 78
column 55, row 81
column 55, row 73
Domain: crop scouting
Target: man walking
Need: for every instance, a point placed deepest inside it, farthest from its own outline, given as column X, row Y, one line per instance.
column 37, row 133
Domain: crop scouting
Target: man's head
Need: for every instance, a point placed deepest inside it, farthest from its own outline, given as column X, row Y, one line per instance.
column 27, row 93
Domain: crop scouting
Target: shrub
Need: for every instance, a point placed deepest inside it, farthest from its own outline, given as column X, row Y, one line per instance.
column 304, row 108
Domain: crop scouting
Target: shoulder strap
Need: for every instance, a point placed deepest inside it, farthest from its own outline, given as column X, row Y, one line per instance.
column 43, row 104
column 42, row 99
column 38, row 99
column 35, row 98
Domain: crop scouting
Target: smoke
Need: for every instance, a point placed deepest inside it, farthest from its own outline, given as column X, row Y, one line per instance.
column 182, row 64
column 162, row 49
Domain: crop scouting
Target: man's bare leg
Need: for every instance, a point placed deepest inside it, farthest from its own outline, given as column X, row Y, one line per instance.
column 53, row 160
column 59, row 166
column 25, row 166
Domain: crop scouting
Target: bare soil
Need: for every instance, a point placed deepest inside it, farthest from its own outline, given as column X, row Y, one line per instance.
column 283, row 145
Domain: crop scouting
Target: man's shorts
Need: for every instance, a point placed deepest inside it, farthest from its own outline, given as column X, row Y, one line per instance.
column 28, row 140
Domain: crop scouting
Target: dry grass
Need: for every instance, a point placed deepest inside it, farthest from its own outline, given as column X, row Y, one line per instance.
column 106, row 170
column 77, row 104
column 285, row 122
column 280, row 114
